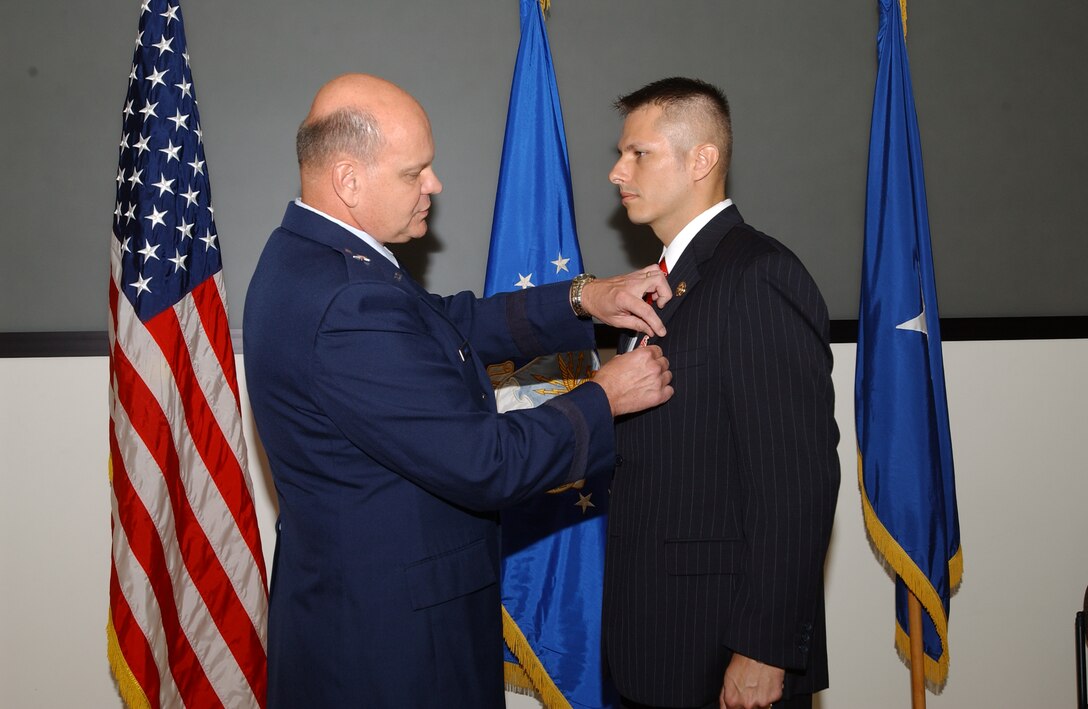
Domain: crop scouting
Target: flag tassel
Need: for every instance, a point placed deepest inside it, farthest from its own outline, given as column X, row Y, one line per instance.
column 538, row 677
column 936, row 672
column 132, row 694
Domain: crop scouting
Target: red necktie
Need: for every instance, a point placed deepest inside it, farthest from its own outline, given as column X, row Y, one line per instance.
column 665, row 270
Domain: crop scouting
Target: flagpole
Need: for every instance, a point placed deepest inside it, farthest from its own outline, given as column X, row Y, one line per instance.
column 917, row 654
column 914, row 606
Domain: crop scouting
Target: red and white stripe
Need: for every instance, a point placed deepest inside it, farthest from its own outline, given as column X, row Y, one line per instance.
column 188, row 589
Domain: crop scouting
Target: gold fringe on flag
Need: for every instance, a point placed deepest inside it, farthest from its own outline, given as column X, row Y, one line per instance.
column 903, row 12
column 132, row 694
column 545, row 5
column 531, row 675
column 918, row 583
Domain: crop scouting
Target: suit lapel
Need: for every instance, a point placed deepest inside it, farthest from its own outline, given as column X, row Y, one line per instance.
column 685, row 276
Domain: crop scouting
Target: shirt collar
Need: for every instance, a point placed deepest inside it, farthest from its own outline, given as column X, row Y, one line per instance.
column 370, row 240
column 671, row 253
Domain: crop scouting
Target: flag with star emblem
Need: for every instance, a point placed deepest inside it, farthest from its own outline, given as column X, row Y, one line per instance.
column 553, row 547
column 187, row 596
column 904, row 444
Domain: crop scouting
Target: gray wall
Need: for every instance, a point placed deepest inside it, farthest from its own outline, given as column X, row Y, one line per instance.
column 999, row 88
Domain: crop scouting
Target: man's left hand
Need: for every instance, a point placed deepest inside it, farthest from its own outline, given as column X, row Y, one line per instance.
column 619, row 301
column 750, row 684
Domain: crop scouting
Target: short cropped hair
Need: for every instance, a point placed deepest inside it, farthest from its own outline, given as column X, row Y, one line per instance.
column 346, row 131
column 698, row 104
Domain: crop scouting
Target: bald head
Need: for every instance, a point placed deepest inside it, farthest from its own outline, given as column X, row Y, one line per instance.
column 362, row 90
column 364, row 153
column 347, row 119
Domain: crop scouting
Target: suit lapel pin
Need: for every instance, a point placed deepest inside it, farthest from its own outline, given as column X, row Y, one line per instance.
column 681, row 289
column 397, row 276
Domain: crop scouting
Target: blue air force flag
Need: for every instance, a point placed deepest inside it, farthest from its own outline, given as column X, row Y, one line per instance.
column 904, row 444
column 553, row 547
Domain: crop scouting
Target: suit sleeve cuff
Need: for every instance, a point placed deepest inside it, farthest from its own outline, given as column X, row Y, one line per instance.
column 541, row 321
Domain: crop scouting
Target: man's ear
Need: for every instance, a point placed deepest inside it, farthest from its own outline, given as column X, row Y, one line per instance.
column 346, row 182
column 706, row 157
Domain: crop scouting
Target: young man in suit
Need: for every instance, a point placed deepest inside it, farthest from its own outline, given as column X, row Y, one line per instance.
column 723, row 497
column 379, row 421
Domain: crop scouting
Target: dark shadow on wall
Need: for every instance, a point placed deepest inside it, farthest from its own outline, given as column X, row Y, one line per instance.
column 415, row 256
column 640, row 246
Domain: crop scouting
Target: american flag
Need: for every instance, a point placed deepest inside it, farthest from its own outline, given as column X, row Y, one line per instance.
column 188, row 591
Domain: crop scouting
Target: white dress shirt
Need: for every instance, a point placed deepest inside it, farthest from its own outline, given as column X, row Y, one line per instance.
column 671, row 253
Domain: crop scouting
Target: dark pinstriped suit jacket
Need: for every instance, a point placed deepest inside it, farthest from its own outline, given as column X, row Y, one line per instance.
column 723, row 497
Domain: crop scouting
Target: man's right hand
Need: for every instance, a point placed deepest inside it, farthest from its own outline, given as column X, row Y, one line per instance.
column 619, row 301
column 636, row 381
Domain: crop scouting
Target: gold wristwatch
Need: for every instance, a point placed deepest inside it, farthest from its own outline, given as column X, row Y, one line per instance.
column 576, row 287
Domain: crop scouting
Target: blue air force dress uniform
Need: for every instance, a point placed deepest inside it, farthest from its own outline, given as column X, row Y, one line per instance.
column 388, row 455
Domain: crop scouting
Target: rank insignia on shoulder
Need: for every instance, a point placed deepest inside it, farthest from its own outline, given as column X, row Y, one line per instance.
column 357, row 257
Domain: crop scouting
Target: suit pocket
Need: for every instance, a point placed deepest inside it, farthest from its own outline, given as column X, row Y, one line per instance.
column 687, row 358
column 698, row 557
column 450, row 575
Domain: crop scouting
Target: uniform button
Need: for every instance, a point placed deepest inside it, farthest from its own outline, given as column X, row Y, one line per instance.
column 619, row 460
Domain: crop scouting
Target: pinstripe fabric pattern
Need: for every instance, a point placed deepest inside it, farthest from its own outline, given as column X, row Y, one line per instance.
column 723, row 498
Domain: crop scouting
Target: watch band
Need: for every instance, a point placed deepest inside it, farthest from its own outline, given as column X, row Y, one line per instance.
column 576, row 287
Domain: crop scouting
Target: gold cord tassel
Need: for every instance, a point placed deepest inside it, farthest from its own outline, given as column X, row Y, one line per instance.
column 531, row 675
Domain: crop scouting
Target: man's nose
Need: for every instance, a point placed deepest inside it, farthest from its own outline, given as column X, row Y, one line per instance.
column 434, row 185
column 616, row 175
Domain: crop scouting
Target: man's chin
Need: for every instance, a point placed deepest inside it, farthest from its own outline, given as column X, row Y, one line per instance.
column 410, row 236
column 635, row 217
